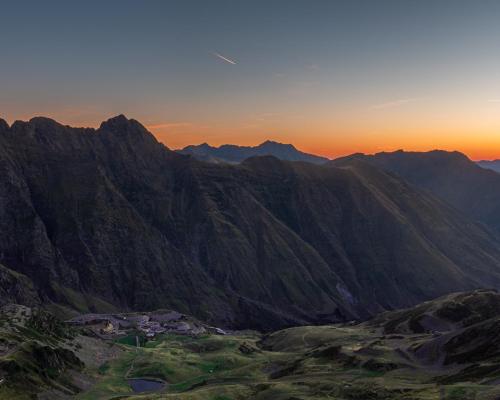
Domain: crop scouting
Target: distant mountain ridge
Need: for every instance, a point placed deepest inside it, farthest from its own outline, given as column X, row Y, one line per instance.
column 234, row 154
column 490, row 164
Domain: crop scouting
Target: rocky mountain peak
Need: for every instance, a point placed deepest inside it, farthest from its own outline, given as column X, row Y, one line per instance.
column 121, row 126
column 126, row 130
column 44, row 122
column 42, row 129
column 4, row 126
column 274, row 144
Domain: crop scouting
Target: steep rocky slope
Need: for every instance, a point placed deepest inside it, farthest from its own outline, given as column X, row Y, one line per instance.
column 451, row 176
column 111, row 219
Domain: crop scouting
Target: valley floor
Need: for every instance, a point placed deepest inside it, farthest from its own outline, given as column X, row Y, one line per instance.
column 446, row 349
column 330, row 362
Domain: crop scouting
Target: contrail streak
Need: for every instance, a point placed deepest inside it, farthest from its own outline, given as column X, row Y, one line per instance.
column 392, row 104
column 224, row 58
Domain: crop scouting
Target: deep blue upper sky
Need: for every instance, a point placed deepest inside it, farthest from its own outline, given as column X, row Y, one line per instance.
column 333, row 76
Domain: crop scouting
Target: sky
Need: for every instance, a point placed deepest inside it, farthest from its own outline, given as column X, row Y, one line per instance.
column 331, row 77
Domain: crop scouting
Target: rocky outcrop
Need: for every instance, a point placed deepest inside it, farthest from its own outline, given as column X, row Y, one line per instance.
column 16, row 288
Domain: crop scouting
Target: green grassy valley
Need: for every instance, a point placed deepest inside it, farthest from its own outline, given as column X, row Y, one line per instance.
column 328, row 362
column 443, row 349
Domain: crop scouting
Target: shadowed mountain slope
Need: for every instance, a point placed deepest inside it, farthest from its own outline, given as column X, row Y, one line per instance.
column 451, row 176
column 110, row 218
column 229, row 153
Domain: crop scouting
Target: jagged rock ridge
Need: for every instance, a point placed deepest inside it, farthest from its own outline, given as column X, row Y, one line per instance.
column 106, row 219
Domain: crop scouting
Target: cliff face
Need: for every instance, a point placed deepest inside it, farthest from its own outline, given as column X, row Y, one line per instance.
column 110, row 218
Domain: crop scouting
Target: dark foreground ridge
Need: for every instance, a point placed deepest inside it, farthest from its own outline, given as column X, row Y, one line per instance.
column 108, row 219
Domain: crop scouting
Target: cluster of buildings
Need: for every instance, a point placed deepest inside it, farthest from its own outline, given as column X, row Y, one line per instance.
column 172, row 322
column 151, row 328
column 151, row 324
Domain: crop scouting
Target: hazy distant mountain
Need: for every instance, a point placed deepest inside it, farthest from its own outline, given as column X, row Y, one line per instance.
column 229, row 153
column 111, row 219
column 450, row 176
column 490, row 164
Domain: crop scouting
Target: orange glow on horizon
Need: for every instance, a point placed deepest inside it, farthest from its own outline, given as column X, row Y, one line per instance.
column 484, row 146
column 410, row 124
column 323, row 137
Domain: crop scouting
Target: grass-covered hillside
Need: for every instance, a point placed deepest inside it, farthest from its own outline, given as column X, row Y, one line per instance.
column 43, row 358
column 358, row 362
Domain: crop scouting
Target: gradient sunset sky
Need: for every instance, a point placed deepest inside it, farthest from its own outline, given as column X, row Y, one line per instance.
column 331, row 77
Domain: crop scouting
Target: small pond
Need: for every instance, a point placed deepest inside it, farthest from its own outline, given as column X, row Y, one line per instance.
column 145, row 385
